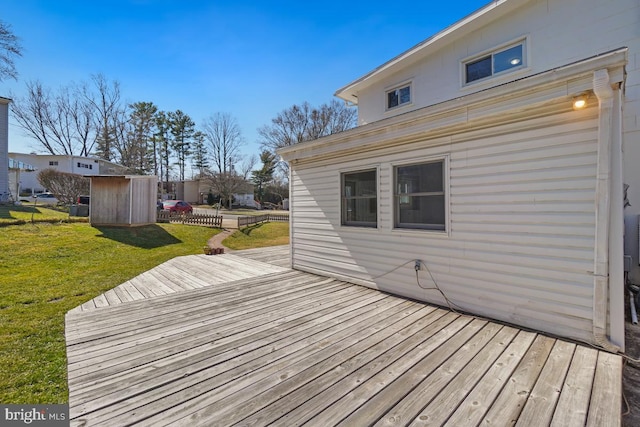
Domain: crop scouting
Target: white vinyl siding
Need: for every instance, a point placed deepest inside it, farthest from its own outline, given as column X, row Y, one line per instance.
column 4, row 147
column 522, row 221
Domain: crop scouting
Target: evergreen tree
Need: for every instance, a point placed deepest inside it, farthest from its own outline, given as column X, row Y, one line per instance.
column 162, row 142
column 182, row 128
column 264, row 175
column 142, row 125
column 200, row 154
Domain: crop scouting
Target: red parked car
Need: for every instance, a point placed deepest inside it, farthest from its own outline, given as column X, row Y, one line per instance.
column 177, row 206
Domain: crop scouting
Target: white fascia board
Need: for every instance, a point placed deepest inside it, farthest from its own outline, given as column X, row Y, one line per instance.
column 489, row 106
column 477, row 19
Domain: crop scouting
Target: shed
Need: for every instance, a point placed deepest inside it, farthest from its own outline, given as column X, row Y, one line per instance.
column 123, row 200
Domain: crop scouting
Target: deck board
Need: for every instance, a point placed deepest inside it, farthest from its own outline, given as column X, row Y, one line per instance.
column 227, row 340
column 191, row 272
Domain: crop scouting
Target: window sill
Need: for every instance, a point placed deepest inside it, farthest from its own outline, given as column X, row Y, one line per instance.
column 390, row 111
column 438, row 234
column 492, row 81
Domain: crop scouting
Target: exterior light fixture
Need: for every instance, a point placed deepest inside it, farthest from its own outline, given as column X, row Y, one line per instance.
column 579, row 102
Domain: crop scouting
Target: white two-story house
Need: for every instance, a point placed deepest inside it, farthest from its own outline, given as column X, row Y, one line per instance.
column 80, row 165
column 4, row 147
column 487, row 170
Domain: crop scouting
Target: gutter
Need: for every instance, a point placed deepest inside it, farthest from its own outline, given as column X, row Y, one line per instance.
column 604, row 93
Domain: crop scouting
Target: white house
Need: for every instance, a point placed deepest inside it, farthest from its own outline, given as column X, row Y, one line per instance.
column 4, row 146
column 64, row 163
column 473, row 176
column 197, row 190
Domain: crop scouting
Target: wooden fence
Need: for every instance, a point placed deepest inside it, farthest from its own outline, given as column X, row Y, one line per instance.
column 190, row 218
column 245, row 221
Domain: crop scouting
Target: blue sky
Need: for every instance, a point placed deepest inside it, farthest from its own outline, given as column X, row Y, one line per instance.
column 252, row 59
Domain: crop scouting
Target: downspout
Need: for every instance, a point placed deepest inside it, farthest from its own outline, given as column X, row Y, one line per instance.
column 604, row 93
column 616, row 232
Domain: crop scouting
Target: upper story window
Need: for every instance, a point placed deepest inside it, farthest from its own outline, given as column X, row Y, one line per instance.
column 360, row 198
column 493, row 63
column 419, row 196
column 53, row 163
column 85, row 166
column 399, row 96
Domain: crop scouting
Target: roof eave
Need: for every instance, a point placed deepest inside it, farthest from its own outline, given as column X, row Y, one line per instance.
column 481, row 17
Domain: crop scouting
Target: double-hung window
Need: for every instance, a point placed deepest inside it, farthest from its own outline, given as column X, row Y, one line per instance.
column 360, row 198
column 419, row 195
column 493, row 63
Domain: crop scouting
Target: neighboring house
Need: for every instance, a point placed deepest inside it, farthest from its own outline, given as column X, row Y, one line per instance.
column 196, row 191
column 4, row 147
column 471, row 157
column 64, row 163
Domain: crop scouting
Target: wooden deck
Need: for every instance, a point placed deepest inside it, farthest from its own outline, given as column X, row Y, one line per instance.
column 290, row 348
column 191, row 272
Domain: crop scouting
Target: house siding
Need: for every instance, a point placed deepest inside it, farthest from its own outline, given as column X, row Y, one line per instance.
column 4, row 146
column 558, row 32
column 521, row 223
column 555, row 32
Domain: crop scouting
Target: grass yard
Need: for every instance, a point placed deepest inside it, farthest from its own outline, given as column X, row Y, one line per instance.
column 27, row 213
column 47, row 269
column 259, row 236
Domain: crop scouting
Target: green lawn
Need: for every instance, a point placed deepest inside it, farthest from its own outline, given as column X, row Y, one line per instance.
column 259, row 236
column 48, row 268
column 27, row 213
column 50, row 264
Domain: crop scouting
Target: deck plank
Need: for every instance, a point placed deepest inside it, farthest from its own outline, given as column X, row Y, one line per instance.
column 606, row 397
column 573, row 404
column 230, row 339
column 329, row 356
column 508, row 405
column 331, row 385
column 218, row 392
column 264, row 344
column 152, row 347
column 543, row 398
column 406, row 397
column 463, row 398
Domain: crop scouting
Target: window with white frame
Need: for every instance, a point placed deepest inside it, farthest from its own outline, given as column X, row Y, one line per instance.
column 419, row 196
column 53, row 163
column 398, row 96
column 500, row 61
column 360, row 198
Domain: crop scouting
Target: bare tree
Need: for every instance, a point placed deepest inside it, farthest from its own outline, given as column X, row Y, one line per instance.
column 225, row 185
column 65, row 186
column 108, row 114
column 301, row 123
column 10, row 48
column 224, row 137
column 33, row 116
column 61, row 122
column 247, row 165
